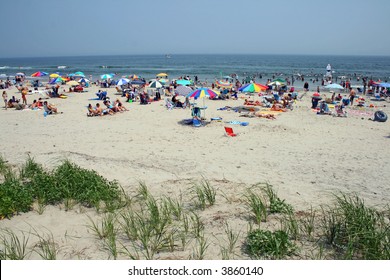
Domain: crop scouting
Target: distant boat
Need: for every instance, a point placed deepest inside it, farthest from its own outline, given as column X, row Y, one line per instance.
column 61, row 67
column 168, row 56
column 103, row 66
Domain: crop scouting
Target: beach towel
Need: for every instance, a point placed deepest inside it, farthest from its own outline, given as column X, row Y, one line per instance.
column 238, row 122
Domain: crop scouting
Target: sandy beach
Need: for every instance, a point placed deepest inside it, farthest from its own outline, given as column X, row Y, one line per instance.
column 306, row 157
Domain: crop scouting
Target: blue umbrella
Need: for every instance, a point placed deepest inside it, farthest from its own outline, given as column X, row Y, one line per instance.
column 138, row 82
column 386, row 85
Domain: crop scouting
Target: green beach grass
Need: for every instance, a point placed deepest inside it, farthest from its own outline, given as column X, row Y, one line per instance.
column 145, row 226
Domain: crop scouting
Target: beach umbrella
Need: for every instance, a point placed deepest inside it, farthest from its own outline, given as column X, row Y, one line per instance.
column 79, row 73
column 316, row 95
column 156, row 84
column 224, row 84
column 56, row 80
column 123, row 81
column 253, row 87
column 202, row 92
column 106, row 76
column 3, row 76
column 54, row 75
column 72, row 83
column 138, row 82
column 133, row 77
column 386, row 85
column 183, row 82
column 162, row 75
column 163, row 81
column 334, row 86
column 83, row 80
column 19, row 74
column 39, row 74
column 183, row 90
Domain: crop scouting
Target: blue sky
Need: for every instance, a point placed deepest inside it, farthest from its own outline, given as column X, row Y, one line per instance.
column 111, row 27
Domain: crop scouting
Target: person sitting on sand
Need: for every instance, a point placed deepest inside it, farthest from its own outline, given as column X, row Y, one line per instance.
column 176, row 101
column 34, row 105
column 278, row 107
column 324, row 109
column 110, row 108
column 49, row 108
column 91, row 112
column 120, row 106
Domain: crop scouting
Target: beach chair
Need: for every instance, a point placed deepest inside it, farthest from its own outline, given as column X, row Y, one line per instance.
column 229, row 131
column 169, row 104
column 196, row 122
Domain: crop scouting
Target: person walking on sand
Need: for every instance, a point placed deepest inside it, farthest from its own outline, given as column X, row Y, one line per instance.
column 352, row 95
column 5, row 99
column 24, row 94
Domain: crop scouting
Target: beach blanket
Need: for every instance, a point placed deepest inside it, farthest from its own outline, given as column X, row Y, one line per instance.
column 238, row 122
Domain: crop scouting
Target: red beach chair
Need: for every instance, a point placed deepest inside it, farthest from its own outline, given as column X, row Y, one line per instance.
column 229, row 131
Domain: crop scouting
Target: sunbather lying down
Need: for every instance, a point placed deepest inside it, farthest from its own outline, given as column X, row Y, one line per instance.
column 267, row 116
column 253, row 103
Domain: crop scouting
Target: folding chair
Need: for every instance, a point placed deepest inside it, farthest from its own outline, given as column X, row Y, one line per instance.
column 229, row 131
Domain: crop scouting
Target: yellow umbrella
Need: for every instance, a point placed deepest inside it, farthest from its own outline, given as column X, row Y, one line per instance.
column 54, row 75
column 162, row 75
column 72, row 83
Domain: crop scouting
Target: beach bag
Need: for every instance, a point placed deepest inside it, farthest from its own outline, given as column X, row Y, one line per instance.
column 380, row 116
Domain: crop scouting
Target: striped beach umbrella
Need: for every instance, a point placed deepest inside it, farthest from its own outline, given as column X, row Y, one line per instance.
column 156, row 84
column 253, row 87
column 203, row 92
column 123, row 81
column 224, row 84
column 39, row 74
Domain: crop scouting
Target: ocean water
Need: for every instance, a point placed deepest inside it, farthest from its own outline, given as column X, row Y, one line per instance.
column 206, row 67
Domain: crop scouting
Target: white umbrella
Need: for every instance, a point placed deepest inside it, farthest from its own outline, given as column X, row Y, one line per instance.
column 123, row 81
column 183, row 90
column 334, row 86
column 156, row 84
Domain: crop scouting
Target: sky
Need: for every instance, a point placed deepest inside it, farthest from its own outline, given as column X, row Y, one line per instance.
column 41, row 28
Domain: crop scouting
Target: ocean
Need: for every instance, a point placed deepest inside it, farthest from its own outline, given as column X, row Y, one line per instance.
column 207, row 67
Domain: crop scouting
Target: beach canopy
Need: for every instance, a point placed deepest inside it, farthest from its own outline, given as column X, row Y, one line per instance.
column 202, row 92
column 39, row 74
column 253, row 87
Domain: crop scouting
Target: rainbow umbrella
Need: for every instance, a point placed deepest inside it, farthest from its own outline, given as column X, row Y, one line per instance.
column 253, row 87
column 224, row 84
column 39, row 74
column 56, row 80
column 202, row 92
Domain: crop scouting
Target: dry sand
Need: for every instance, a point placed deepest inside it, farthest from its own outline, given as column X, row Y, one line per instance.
column 306, row 157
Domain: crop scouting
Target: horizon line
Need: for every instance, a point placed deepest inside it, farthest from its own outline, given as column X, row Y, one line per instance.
column 206, row 54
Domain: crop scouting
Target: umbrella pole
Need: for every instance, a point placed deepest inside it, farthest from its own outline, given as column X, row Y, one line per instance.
column 204, row 110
